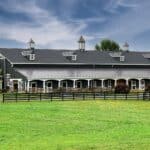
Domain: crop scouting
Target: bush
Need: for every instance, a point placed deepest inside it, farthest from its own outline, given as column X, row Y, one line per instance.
column 147, row 89
column 122, row 89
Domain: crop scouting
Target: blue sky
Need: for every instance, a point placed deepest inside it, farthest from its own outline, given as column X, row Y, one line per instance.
column 59, row 23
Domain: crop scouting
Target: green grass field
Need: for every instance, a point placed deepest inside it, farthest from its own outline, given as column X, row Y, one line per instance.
column 75, row 125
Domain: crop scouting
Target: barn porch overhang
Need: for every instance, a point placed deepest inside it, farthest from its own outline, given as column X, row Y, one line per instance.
column 50, row 85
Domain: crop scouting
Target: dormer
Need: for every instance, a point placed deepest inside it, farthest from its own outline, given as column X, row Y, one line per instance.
column 70, row 55
column 30, row 53
column 122, row 58
column 146, row 55
column 74, row 57
column 32, row 57
column 117, row 55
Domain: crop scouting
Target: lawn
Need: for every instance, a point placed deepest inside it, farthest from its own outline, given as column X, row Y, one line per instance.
column 75, row 125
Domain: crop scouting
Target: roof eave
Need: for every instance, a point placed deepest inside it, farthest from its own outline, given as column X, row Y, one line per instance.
column 107, row 64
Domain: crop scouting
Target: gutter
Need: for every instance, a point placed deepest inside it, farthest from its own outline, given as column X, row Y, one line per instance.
column 108, row 64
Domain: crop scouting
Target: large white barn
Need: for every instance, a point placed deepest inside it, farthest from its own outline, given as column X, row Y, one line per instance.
column 43, row 70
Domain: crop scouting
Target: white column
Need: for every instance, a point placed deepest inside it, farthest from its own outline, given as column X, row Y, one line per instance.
column 115, row 82
column 18, row 81
column 140, row 86
column 143, row 84
column 59, row 83
column 102, row 80
column 11, row 85
column 20, row 85
column 25, row 86
column 43, row 86
column 88, row 83
column 127, row 82
column 74, row 84
column 28, row 86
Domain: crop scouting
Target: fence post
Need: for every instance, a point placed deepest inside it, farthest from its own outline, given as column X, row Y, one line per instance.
column 94, row 95
column 143, row 95
column 137, row 95
column 40, row 96
column 149, row 95
column 51, row 96
column 62, row 96
column 28, row 97
column 126, row 96
column 114, row 96
column 83, row 96
column 104, row 95
column 73, row 96
column 16, row 97
column 3, row 97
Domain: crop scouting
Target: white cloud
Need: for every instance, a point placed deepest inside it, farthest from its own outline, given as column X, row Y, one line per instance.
column 132, row 22
column 125, row 3
column 129, row 25
column 50, row 32
column 113, row 5
column 87, row 20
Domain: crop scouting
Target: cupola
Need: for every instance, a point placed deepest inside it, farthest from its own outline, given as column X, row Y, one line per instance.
column 31, row 44
column 126, row 47
column 81, row 44
column 30, row 53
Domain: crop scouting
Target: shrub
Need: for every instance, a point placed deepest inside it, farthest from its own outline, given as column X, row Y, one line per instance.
column 122, row 89
column 147, row 89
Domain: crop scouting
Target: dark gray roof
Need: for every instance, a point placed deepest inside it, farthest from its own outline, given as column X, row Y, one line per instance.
column 44, row 56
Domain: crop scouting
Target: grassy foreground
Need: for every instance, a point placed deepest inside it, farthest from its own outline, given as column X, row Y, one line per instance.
column 76, row 125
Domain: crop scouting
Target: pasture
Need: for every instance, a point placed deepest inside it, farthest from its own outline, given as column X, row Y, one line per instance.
column 75, row 125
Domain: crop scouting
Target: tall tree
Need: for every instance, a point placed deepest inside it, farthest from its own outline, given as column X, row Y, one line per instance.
column 107, row 45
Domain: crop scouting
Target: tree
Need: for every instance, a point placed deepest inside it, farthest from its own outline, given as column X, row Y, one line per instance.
column 107, row 45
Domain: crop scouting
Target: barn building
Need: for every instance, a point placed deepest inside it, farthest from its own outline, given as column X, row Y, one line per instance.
column 45, row 70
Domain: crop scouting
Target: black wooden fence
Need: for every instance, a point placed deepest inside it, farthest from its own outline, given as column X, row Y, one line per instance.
column 74, row 96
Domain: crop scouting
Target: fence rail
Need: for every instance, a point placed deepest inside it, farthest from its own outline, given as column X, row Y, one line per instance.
column 74, row 96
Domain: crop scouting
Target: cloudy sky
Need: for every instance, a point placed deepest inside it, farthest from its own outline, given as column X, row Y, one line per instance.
column 59, row 23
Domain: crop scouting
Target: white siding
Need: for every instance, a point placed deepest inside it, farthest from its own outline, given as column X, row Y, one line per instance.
column 42, row 73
